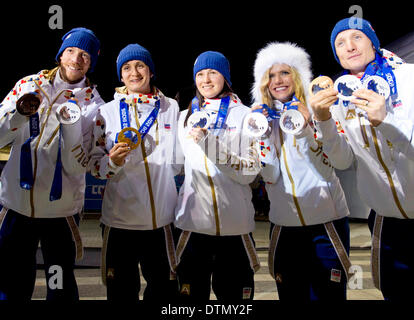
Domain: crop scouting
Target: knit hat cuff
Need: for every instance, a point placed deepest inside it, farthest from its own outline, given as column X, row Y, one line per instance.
column 357, row 24
column 213, row 60
column 84, row 39
column 134, row 52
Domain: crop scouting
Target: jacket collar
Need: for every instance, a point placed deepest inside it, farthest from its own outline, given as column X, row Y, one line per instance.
column 140, row 100
column 214, row 104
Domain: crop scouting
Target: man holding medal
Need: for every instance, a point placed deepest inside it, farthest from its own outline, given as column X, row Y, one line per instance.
column 375, row 127
column 43, row 183
column 134, row 143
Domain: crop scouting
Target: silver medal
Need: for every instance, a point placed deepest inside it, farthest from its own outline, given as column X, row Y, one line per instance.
column 199, row 119
column 378, row 85
column 255, row 124
column 292, row 121
column 68, row 113
column 346, row 85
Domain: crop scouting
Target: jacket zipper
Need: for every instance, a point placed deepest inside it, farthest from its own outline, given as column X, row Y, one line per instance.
column 387, row 171
column 32, row 214
column 213, row 195
column 292, row 182
column 147, row 172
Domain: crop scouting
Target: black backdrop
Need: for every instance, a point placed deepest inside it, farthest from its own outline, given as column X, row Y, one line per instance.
column 176, row 32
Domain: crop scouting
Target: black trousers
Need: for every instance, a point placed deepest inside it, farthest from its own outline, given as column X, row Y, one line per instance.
column 306, row 265
column 220, row 262
column 396, row 264
column 19, row 240
column 123, row 251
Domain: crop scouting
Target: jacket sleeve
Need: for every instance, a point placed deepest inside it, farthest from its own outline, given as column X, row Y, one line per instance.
column 269, row 158
column 11, row 122
column 313, row 152
column 398, row 125
column 179, row 159
column 335, row 144
column 74, row 156
column 100, row 165
column 178, row 155
column 399, row 132
column 77, row 142
column 242, row 166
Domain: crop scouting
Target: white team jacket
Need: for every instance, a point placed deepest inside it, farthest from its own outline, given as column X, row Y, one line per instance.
column 141, row 195
column 76, row 142
column 216, row 198
column 385, row 154
column 301, row 183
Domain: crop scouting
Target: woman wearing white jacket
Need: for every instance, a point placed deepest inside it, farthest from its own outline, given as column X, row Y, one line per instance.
column 308, row 254
column 140, row 194
column 214, row 212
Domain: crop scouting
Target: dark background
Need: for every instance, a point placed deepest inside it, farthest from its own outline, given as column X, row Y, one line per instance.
column 177, row 32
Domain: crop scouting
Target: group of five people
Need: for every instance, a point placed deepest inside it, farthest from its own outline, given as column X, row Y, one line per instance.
column 201, row 238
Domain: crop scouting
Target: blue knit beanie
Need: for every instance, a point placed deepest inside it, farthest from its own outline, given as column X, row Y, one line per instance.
column 84, row 39
column 358, row 24
column 134, row 52
column 213, row 60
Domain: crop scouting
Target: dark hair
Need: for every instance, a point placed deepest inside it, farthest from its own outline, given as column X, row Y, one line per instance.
column 224, row 93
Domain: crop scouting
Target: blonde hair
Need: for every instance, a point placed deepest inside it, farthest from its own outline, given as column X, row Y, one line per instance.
column 267, row 98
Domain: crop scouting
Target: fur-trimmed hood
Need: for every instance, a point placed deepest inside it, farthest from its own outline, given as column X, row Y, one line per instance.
column 278, row 53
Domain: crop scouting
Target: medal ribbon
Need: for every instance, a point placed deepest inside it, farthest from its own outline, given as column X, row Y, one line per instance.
column 146, row 125
column 380, row 67
column 222, row 112
column 26, row 169
column 56, row 190
column 274, row 114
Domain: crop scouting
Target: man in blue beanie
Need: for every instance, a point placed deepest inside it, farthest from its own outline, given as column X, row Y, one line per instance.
column 43, row 182
column 375, row 129
column 79, row 52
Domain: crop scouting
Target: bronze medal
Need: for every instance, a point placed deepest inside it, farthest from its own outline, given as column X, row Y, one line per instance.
column 320, row 83
column 28, row 104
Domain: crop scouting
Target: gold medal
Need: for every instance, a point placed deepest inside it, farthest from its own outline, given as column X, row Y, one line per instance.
column 319, row 84
column 122, row 138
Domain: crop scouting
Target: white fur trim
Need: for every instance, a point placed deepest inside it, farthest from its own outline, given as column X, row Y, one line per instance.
column 278, row 53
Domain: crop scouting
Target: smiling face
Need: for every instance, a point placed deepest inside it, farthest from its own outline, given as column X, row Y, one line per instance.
column 74, row 64
column 281, row 83
column 209, row 83
column 136, row 76
column 354, row 50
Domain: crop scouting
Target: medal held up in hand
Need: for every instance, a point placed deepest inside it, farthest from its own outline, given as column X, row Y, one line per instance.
column 130, row 136
column 320, row 83
column 199, row 119
column 378, row 85
column 255, row 124
column 28, row 98
column 28, row 104
column 346, row 85
column 68, row 112
column 292, row 120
